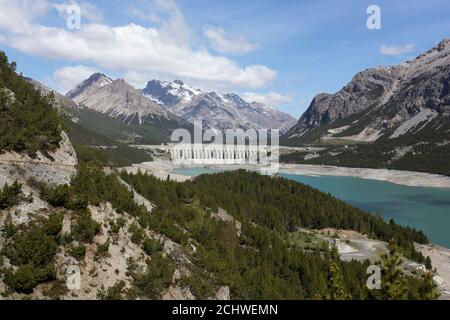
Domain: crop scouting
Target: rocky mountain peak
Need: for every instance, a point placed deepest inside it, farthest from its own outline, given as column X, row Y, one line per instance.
column 96, row 80
column 169, row 93
column 116, row 98
column 443, row 44
column 382, row 100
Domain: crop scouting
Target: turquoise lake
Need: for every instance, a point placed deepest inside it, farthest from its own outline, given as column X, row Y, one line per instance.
column 424, row 208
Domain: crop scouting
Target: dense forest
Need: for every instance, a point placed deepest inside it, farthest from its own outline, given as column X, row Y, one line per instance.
column 262, row 263
column 28, row 123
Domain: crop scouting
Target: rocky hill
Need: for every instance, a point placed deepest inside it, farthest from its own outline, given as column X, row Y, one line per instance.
column 403, row 112
column 382, row 101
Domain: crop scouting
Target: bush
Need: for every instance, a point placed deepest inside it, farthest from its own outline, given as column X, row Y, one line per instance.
column 27, row 277
column 136, row 233
column 33, row 252
column 150, row 246
column 10, row 195
column 103, row 249
column 85, row 228
column 78, row 251
column 114, row 293
column 157, row 277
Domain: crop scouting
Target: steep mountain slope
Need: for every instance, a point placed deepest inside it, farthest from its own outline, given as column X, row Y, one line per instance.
column 136, row 118
column 383, row 101
column 395, row 117
column 95, row 134
column 215, row 110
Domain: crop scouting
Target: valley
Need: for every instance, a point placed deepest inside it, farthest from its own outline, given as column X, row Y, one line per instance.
column 91, row 206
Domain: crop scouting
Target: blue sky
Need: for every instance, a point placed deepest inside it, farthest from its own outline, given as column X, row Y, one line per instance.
column 282, row 52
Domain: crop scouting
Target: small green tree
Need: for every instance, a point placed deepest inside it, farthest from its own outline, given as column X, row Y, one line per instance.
column 337, row 287
column 428, row 264
column 393, row 283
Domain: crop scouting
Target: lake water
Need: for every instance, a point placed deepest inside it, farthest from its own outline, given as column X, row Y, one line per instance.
column 424, row 208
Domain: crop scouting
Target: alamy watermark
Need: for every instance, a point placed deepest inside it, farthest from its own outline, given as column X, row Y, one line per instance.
column 231, row 146
column 374, row 20
column 374, row 280
column 73, row 277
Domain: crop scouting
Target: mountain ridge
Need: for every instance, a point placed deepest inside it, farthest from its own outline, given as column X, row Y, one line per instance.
column 379, row 87
column 386, row 117
column 219, row 111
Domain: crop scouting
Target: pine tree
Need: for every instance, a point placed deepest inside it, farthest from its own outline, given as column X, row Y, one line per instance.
column 393, row 283
column 428, row 264
column 337, row 287
column 428, row 288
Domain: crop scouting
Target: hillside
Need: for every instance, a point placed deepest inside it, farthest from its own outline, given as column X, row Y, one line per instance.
column 73, row 229
column 116, row 109
column 386, row 117
column 28, row 123
column 94, row 134
column 184, row 248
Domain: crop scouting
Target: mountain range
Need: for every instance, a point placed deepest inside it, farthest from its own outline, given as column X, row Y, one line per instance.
column 219, row 111
column 382, row 101
column 174, row 102
column 385, row 117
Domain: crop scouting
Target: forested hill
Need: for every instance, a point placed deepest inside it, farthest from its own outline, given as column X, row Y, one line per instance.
column 284, row 205
column 28, row 122
column 278, row 204
column 259, row 261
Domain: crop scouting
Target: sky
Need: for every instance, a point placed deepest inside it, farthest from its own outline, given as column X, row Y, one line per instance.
column 279, row 52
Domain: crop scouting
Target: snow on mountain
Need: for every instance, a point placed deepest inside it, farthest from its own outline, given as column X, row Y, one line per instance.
column 116, row 98
column 215, row 110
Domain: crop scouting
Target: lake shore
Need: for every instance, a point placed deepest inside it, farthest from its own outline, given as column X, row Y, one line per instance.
column 164, row 168
column 407, row 178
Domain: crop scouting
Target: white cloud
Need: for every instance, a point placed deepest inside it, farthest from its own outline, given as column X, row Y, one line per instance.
column 227, row 43
column 18, row 16
column 89, row 11
column 269, row 98
column 67, row 78
column 131, row 48
column 397, row 50
column 145, row 15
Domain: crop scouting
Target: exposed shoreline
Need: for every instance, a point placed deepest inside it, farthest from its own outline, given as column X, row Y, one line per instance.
column 163, row 168
column 407, row 178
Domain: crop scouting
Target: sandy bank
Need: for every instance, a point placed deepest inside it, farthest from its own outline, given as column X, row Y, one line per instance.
column 408, row 178
column 163, row 168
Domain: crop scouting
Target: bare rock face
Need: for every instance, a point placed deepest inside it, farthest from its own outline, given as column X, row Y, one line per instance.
column 224, row 216
column 178, row 293
column 366, row 89
column 223, row 293
column 381, row 99
column 218, row 111
column 116, row 98
column 55, row 167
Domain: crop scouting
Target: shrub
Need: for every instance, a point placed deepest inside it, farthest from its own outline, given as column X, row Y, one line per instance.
column 78, row 251
column 33, row 252
column 156, row 278
column 150, row 246
column 113, row 293
column 85, row 228
column 10, row 195
column 103, row 249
